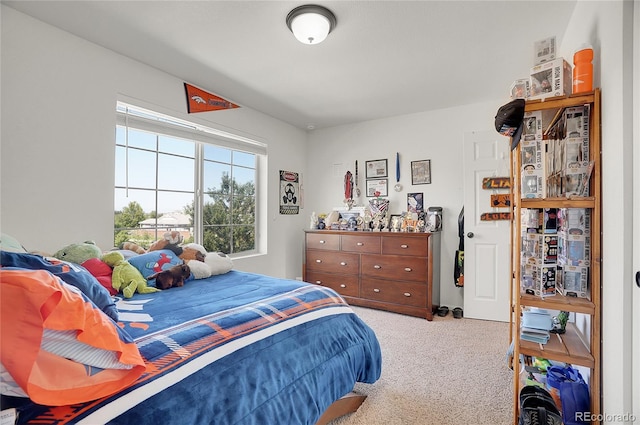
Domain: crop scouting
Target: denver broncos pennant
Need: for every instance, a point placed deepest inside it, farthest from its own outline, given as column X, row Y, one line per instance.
column 200, row 101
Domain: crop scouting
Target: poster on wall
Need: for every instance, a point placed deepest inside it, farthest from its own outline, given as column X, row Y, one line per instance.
column 289, row 192
column 199, row 100
column 415, row 203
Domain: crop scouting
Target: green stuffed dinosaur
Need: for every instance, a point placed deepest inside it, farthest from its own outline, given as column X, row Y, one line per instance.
column 126, row 277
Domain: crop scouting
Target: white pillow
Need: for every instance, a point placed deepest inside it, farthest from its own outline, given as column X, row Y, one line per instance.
column 219, row 262
column 11, row 244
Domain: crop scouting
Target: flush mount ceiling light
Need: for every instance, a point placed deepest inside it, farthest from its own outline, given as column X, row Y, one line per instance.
column 310, row 23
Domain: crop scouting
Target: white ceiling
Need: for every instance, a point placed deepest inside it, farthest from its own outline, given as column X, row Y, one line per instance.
column 384, row 58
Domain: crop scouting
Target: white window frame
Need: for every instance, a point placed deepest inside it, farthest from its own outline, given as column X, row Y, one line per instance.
column 130, row 115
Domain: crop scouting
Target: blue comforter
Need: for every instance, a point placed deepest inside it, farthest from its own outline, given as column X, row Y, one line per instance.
column 238, row 348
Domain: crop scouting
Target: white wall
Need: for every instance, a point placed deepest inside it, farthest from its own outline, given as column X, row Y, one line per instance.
column 58, row 124
column 435, row 135
column 608, row 26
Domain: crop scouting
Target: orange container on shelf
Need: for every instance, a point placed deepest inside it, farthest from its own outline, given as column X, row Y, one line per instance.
column 583, row 70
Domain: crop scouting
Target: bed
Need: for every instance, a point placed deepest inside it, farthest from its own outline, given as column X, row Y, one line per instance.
column 233, row 348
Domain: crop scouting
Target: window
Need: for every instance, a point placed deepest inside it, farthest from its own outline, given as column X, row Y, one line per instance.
column 172, row 175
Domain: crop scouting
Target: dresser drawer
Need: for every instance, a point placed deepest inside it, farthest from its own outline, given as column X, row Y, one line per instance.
column 346, row 285
column 333, row 262
column 396, row 267
column 320, row 241
column 360, row 242
column 407, row 245
column 413, row 294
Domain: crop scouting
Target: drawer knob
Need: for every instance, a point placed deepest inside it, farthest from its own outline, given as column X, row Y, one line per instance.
column 403, row 246
column 377, row 267
column 318, row 261
column 342, row 285
column 318, row 282
column 360, row 244
column 407, row 294
column 376, row 290
column 342, row 263
column 321, row 242
column 407, row 269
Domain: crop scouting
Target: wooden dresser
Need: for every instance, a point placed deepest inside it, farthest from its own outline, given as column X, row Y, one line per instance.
column 391, row 271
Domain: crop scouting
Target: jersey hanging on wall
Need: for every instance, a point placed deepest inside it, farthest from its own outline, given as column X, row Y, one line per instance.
column 289, row 192
column 200, row 101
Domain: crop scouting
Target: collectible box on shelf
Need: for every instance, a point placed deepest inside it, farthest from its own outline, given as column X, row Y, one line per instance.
column 531, row 154
column 576, row 121
column 531, row 248
column 544, row 50
column 551, row 78
column 550, row 220
column 541, row 280
column 532, row 125
column 539, row 220
column 574, row 250
column 538, row 249
column 573, row 281
column 530, row 220
column 532, row 184
column 574, row 221
column 520, row 89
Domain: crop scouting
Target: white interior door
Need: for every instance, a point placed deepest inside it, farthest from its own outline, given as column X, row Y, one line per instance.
column 486, row 244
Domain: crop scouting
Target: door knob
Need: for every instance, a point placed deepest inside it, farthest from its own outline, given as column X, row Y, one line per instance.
column 638, row 279
column 470, row 235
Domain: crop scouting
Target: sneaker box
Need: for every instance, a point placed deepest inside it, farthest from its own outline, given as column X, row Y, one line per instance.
column 572, row 281
column 552, row 78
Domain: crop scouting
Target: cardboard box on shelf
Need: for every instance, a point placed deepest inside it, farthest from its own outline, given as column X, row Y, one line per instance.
column 551, row 78
column 532, row 184
column 544, row 50
column 574, row 221
column 538, row 280
column 574, row 250
column 520, row 89
column 573, row 281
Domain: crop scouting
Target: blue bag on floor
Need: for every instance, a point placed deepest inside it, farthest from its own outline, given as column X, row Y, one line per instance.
column 568, row 384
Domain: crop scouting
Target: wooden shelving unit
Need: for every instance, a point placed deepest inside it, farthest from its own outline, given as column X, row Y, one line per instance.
column 570, row 347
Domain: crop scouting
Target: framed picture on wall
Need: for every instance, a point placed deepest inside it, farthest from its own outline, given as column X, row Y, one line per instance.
column 377, row 185
column 421, row 172
column 376, row 169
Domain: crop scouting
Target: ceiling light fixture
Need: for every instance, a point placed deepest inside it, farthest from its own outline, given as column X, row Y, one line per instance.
column 310, row 23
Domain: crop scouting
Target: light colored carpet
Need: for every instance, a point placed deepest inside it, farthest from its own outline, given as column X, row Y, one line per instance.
column 446, row 372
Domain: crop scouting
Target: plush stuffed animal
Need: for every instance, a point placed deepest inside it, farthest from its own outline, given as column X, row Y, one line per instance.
column 125, row 277
column 78, row 252
column 175, row 276
column 193, row 251
column 170, row 240
column 132, row 246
